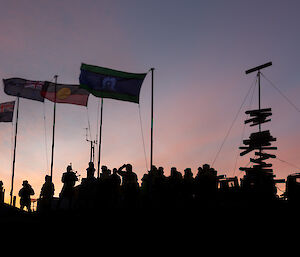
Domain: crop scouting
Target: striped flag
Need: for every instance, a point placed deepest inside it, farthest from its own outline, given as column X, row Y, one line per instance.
column 108, row 83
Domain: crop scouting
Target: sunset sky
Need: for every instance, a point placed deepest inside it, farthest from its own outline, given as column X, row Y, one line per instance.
column 200, row 51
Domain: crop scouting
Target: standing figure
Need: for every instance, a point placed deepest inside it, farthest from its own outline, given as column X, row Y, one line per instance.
column 1, row 193
column 188, row 188
column 90, row 171
column 115, row 188
column 175, row 182
column 25, row 192
column 46, row 195
column 69, row 179
column 130, row 186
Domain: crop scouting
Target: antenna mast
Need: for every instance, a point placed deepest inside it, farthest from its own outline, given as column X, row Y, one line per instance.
column 92, row 142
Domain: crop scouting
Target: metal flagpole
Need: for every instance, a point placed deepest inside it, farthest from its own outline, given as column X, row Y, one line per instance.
column 53, row 131
column 14, row 158
column 100, row 138
column 151, row 150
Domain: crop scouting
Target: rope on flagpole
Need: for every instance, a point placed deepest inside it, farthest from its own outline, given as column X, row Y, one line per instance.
column 89, row 124
column 97, row 130
column 45, row 137
column 142, row 133
column 45, row 134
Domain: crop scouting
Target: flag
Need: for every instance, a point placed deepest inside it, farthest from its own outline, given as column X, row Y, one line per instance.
column 7, row 111
column 69, row 94
column 108, row 83
column 28, row 89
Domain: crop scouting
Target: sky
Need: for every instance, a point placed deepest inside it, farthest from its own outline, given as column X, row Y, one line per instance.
column 200, row 51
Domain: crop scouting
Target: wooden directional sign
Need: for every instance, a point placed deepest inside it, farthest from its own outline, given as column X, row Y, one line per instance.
column 258, row 140
column 258, row 111
column 265, row 156
column 258, row 116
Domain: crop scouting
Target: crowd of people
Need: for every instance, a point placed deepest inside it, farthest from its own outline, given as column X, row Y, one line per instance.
column 120, row 188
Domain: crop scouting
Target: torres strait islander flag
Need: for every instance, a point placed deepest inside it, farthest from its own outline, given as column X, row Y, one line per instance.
column 108, row 83
column 69, row 94
column 7, row 111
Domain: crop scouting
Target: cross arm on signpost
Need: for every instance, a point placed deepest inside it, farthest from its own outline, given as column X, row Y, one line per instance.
column 258, row 68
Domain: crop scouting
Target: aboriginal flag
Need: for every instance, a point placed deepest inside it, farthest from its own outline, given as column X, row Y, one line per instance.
column 69, row 94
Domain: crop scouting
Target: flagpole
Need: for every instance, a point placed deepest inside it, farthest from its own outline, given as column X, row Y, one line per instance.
column 53, row 131
column 100, row 138
column 14, row 158
column 151, row 150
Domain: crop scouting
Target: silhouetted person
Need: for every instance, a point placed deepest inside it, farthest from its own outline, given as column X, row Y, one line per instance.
column 46, row 195
column 161, row 179
column 115, row 177
column 1, row 193
column 104, row 188
column 148, row 187
column 206, row 185
column 87, row 190
column 115, row 188
column 175, row 188
column 188, row 187
column 69, row 179
column 105, row 173
column 130, row 187
column 47, row 190
column 90, row 175
column 129, row 178
column 159, row 188
column 25, row 192
column 90, row 171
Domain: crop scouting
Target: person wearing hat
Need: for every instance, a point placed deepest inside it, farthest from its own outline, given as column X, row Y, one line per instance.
column 25, row 192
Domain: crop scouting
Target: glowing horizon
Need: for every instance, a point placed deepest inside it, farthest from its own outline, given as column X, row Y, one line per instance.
column 200, row 52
